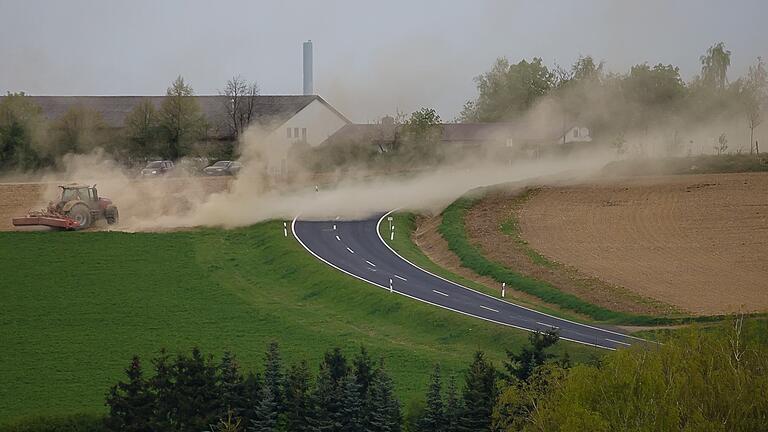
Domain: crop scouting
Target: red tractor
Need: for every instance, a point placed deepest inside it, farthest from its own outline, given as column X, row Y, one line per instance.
column 78, row 208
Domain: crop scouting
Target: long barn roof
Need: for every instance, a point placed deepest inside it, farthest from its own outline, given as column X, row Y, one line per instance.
column 269, row 110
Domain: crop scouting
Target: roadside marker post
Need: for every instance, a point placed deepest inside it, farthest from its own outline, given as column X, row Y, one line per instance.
column 392, row 234
column 285, row 229
column 503, row 289
column 389, row 218
column 390, row 286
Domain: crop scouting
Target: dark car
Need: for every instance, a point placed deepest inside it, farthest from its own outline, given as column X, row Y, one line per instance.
column 221, row 168
column 157, row 168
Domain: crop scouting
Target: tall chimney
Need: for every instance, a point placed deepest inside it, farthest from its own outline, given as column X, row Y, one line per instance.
column 308, row 90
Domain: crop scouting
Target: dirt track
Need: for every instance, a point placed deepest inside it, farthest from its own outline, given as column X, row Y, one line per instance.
column 698, row 242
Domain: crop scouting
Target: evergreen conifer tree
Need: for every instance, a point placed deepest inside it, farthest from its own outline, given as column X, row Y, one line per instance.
column 231, row 386
column 351, row 407
column 131, row 403
column 434, row 413
column 336, row 363
column 453, row 407
column 266, row 413
column 382, row 407
column 273, row 375
column 326, row 402
column 163, row 385
column 198, row 400
column 479, row 395
column 298, row 406
column 364, row 370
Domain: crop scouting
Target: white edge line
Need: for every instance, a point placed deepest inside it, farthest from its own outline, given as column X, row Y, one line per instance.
column 378, row 232
column 293, row 229
column 618, row 342
column 439, row 292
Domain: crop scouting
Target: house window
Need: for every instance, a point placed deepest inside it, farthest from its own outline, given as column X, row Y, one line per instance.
column 295, row 132
column 289, row 132
column 303, row 134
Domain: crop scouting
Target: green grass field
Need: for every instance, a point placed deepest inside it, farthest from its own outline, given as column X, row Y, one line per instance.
column 76, row 306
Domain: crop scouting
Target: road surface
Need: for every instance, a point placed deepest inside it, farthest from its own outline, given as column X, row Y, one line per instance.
column 356, row 248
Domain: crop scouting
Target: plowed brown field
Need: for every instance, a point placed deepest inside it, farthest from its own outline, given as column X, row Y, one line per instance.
column 698, row 242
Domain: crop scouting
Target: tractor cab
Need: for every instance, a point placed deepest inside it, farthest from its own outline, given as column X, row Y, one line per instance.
column 79, row 193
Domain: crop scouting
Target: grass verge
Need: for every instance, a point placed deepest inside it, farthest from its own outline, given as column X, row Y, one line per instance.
column 76, row 306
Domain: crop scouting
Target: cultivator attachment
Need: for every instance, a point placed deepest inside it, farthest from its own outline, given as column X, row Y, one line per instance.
column 47, row 218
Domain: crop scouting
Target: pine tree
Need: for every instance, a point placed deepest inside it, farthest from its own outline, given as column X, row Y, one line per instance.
column 453, row 407
column 130, row 403
column 521, row 366
column 434, row 413
column 326, row 402
column 479, row 395
column 163, row 385
column 364, row 370
column 297, row 398
column 231, row 386
column 266, row 413
column 382, row 407
column 336, row 364
column 350, row 415
column 252, row 385
column 197, row 392
column 273, row 375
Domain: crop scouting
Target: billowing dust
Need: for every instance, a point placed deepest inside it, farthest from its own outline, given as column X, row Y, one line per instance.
column 183, row 201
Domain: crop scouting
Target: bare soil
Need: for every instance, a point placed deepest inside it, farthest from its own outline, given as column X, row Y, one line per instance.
column 697, row 242
column 483, row 225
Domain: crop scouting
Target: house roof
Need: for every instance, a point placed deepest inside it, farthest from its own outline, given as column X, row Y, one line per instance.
column 270, row 110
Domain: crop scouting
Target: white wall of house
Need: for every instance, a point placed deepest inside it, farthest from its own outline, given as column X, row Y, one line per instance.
column 313, row 124
column 576, row 134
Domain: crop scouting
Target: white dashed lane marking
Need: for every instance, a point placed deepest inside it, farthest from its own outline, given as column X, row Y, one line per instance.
column 441, row 293
column 350, row 250
column 618, row 342
column 486, row 307
column 370, row 263
column 401, row 278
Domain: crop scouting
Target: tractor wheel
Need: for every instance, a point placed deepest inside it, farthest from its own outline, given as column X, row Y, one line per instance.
column 81, row 214
column 111, row 215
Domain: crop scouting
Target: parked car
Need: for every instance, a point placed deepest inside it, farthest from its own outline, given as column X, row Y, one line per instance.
column 221, row 168
column 157, row 168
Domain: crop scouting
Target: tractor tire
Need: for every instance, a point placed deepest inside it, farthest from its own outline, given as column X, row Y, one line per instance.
column 111, row 215
column 81, row 214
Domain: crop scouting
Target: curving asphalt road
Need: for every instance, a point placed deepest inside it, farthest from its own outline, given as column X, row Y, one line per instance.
column 356, row 248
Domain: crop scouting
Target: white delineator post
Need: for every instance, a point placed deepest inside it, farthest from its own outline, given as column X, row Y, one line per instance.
column 285, row 229
column 392, row 234
column 503, row 289
column 390, row 286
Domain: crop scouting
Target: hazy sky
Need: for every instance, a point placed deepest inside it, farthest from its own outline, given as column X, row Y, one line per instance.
column 371, row 57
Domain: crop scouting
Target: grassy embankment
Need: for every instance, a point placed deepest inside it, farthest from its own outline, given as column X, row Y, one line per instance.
column 76, row 306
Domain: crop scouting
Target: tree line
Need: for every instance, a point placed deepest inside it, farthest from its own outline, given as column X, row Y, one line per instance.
column 713, row 378
column 614, row 104
column 175, row 129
